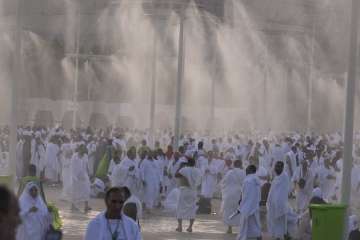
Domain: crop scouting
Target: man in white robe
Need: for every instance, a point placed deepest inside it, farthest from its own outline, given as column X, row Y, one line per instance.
column 81, row 186
column 304, row 179
column 355, row 184
column 277, row 203
column 338, row 172
column 161, row 164
column 326, row 179
column 249, row 210
column 210, row 173
column 151, row 181
column 292, row 161
column 172, row 169
column 38, row 155
column 190, row 178
column 112, row 224
column 231, row 187
column 276, row 154
column 19, row 159
column 201, row 161
column 265, row 157
column 126, row 174
column 66, row 155
column 115, row 161
column 92, row 156
column 52, row 168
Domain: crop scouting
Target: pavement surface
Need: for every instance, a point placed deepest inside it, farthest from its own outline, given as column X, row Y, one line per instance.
column 156, row 226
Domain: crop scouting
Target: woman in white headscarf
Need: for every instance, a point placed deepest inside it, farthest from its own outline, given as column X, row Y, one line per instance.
column 34, row 214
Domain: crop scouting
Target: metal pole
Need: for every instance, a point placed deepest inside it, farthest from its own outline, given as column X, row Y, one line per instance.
column 18, row 75
column 349, row 110
column 76, row 82
column 265, row 97
column 212, row 100
column 310, row 83
column 153, row 91
column 87, row 75
column 180, row 76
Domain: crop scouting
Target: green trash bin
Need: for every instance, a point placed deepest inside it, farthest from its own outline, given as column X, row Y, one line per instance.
column 7, row 181
column 327, row 221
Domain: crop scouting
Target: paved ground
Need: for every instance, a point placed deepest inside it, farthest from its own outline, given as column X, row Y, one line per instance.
column 159, row 225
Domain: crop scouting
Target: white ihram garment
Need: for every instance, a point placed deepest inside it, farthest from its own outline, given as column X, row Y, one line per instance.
column 277, row 206
column 173, row 167
column 209, row 180
column 325, row 184
column 80, row 191
column 38, row 157
column 52, row 168
column 303, row 196
column 231, row 188
column 186, row 207
column 126, row 228
column 122, row 177
column 66, row 156
column 250, row 225
column 151, row 176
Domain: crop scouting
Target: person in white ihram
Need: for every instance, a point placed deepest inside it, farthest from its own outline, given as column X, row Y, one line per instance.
column 280, row 218
column 81, row 185
column 249, row 210
column 189, row 178
column 151, row 180
column 38, row 151
column 52, row 168
column 210, row 173
column 112, row 224
column 126, row 173
column 66, row 156
column 231, row 188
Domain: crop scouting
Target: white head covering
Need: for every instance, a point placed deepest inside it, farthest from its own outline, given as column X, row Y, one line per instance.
column 353, row 223
column 317, row 193
column 34, row 224
column 27, row 201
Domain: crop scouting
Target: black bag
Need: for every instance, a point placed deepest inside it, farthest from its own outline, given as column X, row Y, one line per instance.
column 53, row 234
column 204, row 206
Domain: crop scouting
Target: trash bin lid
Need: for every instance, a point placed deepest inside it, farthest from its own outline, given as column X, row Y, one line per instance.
column 328, row 206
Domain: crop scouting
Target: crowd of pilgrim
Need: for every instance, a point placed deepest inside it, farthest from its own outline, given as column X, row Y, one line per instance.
column 265, row 181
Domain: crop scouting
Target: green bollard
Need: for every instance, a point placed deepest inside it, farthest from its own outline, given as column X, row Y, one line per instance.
column 328, row 221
